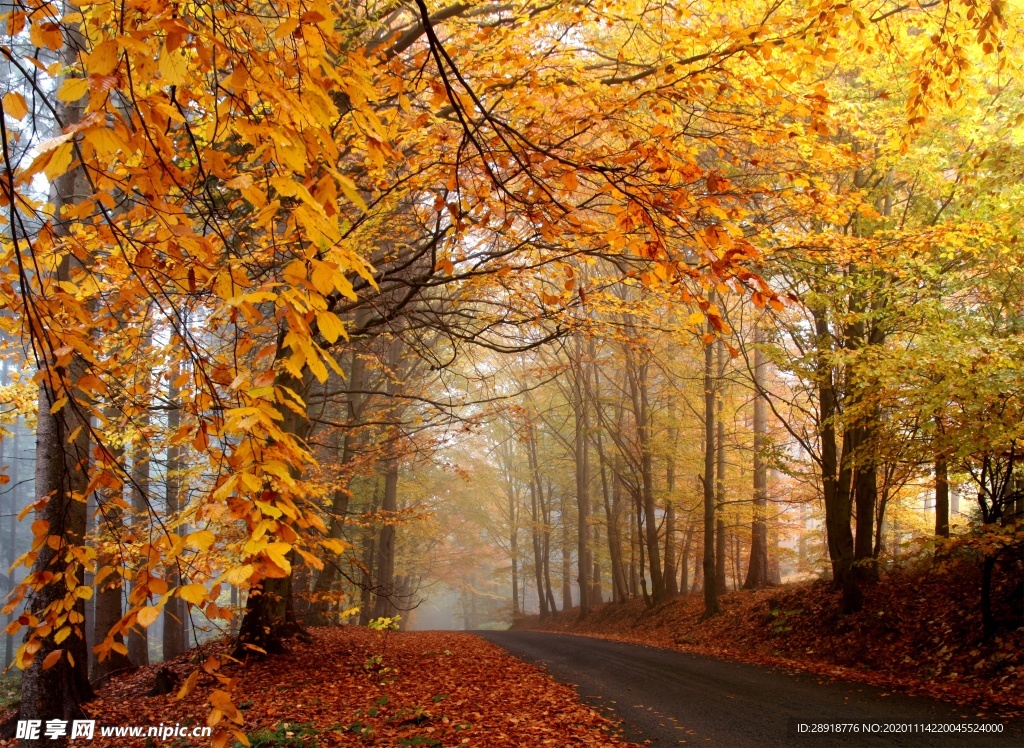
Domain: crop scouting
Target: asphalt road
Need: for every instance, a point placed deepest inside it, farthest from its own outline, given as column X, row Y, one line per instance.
column 671, row 698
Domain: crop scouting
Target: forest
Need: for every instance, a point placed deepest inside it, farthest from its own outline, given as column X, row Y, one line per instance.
column 328, row 323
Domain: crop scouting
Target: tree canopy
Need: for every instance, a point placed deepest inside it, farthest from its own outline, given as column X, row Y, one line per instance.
column 309, row 303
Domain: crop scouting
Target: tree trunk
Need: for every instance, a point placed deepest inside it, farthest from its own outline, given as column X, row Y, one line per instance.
column 863, row 332
column 546, row 509
column 108, row 594
column 266, row 621
column 9, row 511
column 138, row 636
column 613, row 513
column 634, row 543
column 684, row 575
column 757, row 569
column 583, row 560
column 866, row 497
column 711, row 604
column 536, row 522
column 512, row 494
column 566, row 561
column 737, row 560
column 641, row 547
column 269, row 616
column 233, row 629
column 384, row 579
column 721, row 554
column 671, row 581
column 641, row 409
column 721, row 549
column 941, row 497
column 838, row 506
column 514, row 553
column 62, row 476
column 326, row 578
column 175, row 609
column 698, row 567
column 369, row 554
column 12, row 536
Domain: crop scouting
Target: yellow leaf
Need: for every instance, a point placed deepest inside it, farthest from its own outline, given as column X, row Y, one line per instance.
column 52, row 659
column 15, row 23
column 200, row 540
column 711, row 236
column 330, row 326
column 310, row 559
column 321, row 230
column 46, row 35
column 104, row 140
column 287, row 187
column 268, row 509
column 316, row 367
column 344, row 286
column 239, row 574
column 254, row 546
column 349, row 188
column 193, row 593
column 286, row 28
column 14, row 105
column 222, row 700
column 334, row 545
column 23, row 659
column 73, row 89
column 173, row 67
column 148, row 615
column 189, row 685
column 62, row 634
column 323, row 277
column 277, row 553
column 59, row 161
column 104, row 59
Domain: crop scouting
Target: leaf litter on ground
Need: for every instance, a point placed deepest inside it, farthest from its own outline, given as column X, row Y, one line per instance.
column 347, row 688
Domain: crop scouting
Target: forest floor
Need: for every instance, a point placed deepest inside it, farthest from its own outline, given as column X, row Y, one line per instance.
column 10, row 688
column 919, row 632
column 426, row 689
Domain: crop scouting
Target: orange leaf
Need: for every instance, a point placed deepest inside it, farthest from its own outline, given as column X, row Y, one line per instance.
column 52, row 659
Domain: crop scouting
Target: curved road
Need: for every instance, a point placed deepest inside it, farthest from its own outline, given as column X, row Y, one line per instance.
column 672, row 698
